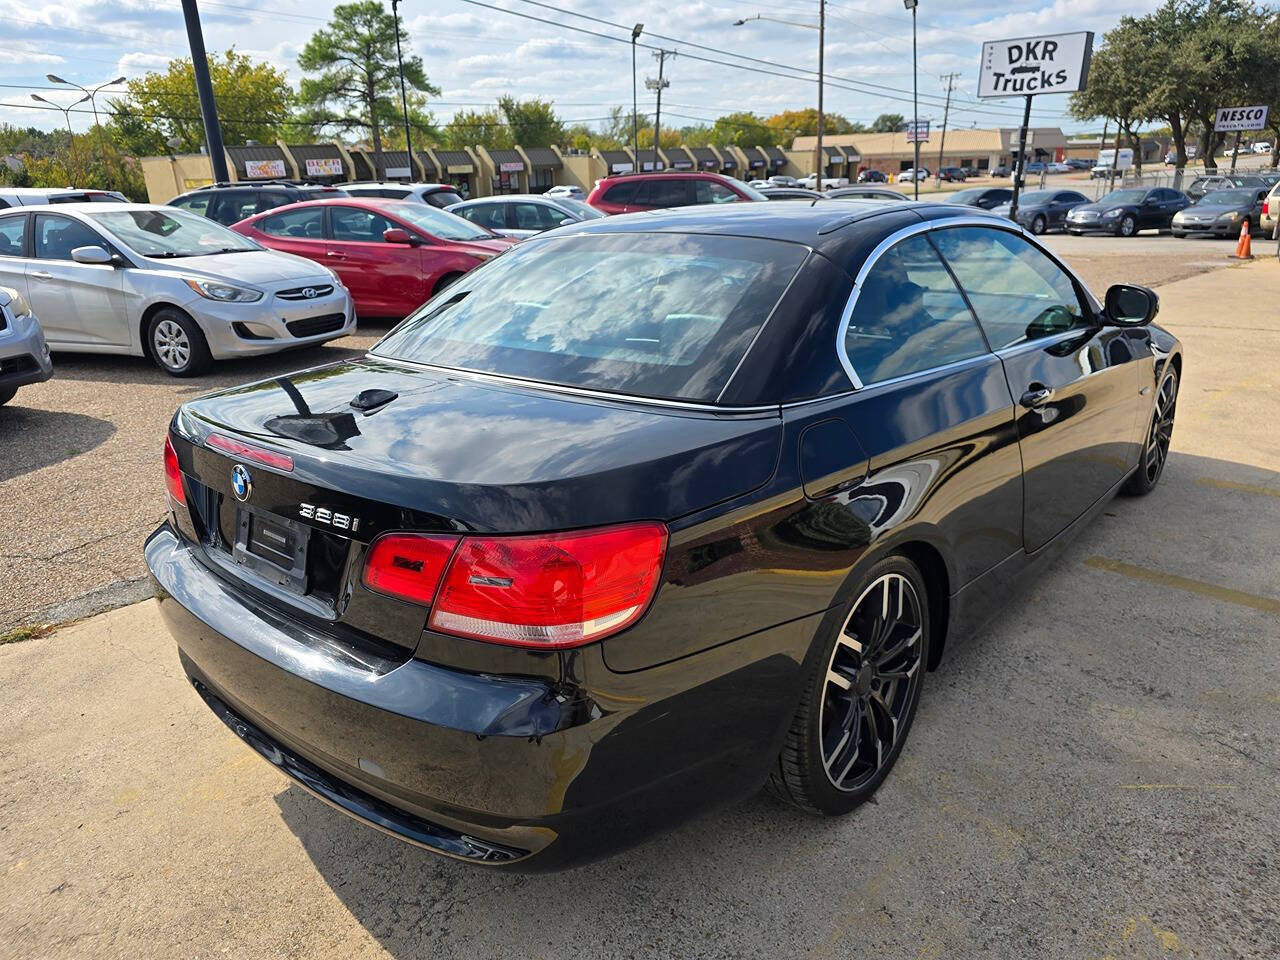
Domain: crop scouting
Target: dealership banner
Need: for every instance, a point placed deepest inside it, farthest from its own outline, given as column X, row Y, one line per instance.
column 325, row 167
column 1235, row 119
column 264, row 169
column 1021, row 67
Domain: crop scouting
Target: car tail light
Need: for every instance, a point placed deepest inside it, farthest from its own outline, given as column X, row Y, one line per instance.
column 247, row 451
column 546, row 592
column 408, row 565
column 1266, row 206
column 173, row 474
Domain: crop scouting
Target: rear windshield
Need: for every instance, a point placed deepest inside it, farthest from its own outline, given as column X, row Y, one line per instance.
column 654, row 315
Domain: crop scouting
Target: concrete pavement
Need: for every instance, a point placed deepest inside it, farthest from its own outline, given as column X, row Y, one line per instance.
column 1094, row 776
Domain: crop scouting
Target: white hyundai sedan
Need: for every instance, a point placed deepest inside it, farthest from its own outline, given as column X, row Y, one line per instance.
column 148, row 280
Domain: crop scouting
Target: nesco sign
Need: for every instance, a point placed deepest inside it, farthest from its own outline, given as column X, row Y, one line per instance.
column 1239, row 118
column 1032, row 65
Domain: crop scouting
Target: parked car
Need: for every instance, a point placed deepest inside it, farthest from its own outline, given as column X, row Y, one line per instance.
column 24, row 356
column 908, row 175
column 442, row 195
column 1041, row 210
column 392, row 255
column 522, row 215
column 872, row 176
column 1060, row 167
column 828, row 183
column 42, row 196
column 1125, row 212
column 1079, row 163
column 1000, row 170
column 1270, row 210
column 1100, row 171
column 1034, row 169
column 572, row 191
column 792, row 193
column 560, row 574
column 1221, row 213
column 652, row 191
column 760, row 184
column 865, row 193
column 971, row 172
column 952, row 174
column 780, row 180
column 1263, row 146
column 1202, row 186
column 155, row 281
column 228, row 203
column 985, row 197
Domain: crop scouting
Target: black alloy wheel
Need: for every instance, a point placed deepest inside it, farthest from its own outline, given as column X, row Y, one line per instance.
column 1155, row 453
column 862, row 695
column 1038, row 225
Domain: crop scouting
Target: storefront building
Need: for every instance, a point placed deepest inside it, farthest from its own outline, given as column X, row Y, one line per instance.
column 755, row 163
column 502, row 171
column 427, row 168
column 545, row 165
column 266, row 161
column 459, row 169
column 679, row 158
column 616, row 161
column 705, row 158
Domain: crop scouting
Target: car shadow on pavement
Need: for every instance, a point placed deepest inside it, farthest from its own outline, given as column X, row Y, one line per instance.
column 75, row 434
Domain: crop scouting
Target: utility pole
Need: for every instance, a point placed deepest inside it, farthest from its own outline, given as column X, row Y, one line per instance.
column 404, row 99
column 1020, row 164
column 204, row 90
column 915, row 104
column 658, row 85
column 949, row 79
column 820, row 160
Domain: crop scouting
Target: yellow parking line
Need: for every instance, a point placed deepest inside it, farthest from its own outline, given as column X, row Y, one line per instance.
column 1265, row 604
column 1242, row 487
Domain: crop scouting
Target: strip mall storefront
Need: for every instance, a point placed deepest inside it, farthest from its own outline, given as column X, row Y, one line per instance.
column 544, row 166
column 320, row 162
column 459, row 170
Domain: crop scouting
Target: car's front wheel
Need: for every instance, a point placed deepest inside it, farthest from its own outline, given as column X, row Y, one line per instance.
column 1155, row 451
column 1127, row 227
column 1038, row 225
column 861, row 695
column 177, row 344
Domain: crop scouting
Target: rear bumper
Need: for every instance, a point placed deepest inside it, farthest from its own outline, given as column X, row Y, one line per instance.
column 496, row 770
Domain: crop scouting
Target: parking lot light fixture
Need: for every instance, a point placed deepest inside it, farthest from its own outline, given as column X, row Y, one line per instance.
column 92, row 96
column 71, row 137
column 915, row 99
column 635, row 102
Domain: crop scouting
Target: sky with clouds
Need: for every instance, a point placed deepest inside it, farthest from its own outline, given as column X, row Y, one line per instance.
column 475, row 52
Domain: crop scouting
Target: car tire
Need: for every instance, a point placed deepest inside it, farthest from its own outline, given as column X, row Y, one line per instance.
column 1038, row 225
column 858, row 695
column 177, row 345
column 1155, row 451
column 1127, row 227
column 448, row 280
column 7, row 394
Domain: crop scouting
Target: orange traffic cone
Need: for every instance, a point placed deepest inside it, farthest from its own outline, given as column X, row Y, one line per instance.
column 1244, row 250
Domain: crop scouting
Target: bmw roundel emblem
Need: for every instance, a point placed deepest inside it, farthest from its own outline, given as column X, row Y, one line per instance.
column 241, row 483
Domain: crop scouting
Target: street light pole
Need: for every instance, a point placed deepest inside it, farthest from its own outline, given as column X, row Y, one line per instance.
column 635, row 101
column 93, row 102
column 204, row 90
column 915, row 99
column 71, row 137
column 404, row 99
column 821, row 27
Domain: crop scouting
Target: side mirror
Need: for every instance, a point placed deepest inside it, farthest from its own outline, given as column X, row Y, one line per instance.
column 91, row 254
column 1128, row 305
column 397, row 235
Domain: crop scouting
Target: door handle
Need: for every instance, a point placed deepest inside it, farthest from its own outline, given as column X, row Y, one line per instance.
column 1037, row 395
column 335, row 255
column 41, row 275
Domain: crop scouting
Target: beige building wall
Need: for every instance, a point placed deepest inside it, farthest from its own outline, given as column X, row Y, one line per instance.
column 581, row 170
column 166, row 177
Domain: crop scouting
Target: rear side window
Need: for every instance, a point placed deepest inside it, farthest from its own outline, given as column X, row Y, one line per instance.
column 909, row 316
column 655, row 315
column 232, row 206
column 1018, row 293
column 306, row 224
column 391, row 193
column 491, row 215
column 270, row 199
column 13, row 236
column 621, row 193
column 665, row 193
column 708, row 191
column 197, row 203
column 538, row 216
column 443, row 198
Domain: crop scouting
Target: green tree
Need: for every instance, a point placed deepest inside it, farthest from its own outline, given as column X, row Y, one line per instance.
column 485, row 128
column 254, row 103
column 741, row 129
column 356, row 81
column 1118, row 85
column 532, row 123
column 888, row 123
column 789, row 124
column 697, row 135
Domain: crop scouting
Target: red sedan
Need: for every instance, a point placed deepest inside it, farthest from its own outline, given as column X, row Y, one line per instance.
column 391, row 255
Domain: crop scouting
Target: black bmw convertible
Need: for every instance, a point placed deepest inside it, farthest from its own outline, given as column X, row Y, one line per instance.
column 647, row 513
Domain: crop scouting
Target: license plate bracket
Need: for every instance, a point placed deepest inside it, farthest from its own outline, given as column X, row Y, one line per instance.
column 272, row 547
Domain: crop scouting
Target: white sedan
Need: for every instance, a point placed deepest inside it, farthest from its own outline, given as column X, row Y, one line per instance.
column 906, row 176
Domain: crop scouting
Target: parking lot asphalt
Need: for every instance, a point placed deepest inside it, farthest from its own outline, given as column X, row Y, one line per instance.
column 81, row 482
column 1092, row 776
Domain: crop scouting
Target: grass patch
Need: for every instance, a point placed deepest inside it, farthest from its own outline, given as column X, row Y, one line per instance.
column 24, row 633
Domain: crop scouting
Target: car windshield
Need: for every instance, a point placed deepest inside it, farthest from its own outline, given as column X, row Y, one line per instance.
column 163, row 234
column 439, row 223
column 966, row 196
column 655, row 315
column 1124, row 196
column 1230, row 198
column 584, row 210
column 1033, row 197
column 751, row 191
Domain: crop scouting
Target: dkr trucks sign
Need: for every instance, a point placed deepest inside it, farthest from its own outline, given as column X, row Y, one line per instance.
column 1033, row 65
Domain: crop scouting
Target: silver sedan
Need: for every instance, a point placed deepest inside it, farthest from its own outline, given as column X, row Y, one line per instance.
column 24, row 356
column 154, row 281
column 521, row 215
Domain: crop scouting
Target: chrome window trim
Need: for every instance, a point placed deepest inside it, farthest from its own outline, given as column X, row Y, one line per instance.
column 930, row 226
column 578, row 391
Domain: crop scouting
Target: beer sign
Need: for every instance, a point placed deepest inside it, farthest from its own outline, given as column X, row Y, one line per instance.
column 1027, row 66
